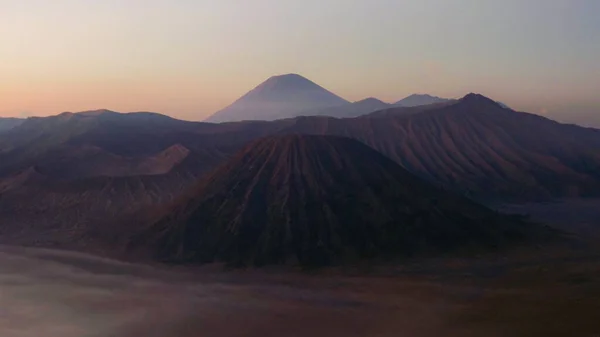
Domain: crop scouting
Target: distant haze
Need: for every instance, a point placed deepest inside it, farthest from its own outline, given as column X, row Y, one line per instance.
column 420, row 99
column 278, row 97
column 191, row 58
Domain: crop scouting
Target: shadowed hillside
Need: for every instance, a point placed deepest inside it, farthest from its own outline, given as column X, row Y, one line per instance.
column 473, row 145
column 9, row 123
column 318, row 200
column 479, row 147
column 105, row 143
column 39, row 210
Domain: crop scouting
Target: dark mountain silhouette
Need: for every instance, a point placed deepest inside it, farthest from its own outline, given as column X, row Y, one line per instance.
column 476, row 146
column 7, row 123
column 471, row 145
column 318, row 200
column 278, row 97
column 42, row 141
column 55, row 187
column 37, row 209
column 349, row 110
column 420, row 99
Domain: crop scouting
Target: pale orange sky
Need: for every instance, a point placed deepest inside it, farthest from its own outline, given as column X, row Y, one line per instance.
column 190, row 58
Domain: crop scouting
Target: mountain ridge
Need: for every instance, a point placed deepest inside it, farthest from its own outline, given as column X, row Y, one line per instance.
column 420, row 99
column 318, row 200
column 503, row 146
column 7, row 123
column 485, row 152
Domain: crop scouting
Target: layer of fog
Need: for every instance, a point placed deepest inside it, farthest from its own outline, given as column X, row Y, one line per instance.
column 58, row 294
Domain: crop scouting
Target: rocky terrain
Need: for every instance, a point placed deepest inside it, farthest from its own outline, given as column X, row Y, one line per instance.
column 320, row 200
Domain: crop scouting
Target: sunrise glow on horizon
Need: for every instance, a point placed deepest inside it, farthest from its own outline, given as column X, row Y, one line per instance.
column 190, row 58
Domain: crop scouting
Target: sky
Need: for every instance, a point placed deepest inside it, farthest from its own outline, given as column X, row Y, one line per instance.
column 190, row 58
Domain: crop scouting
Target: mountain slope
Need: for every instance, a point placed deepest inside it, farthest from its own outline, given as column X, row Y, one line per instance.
column 7, row 123
column 75, row 162
column 471, row 145
column 350, row 110
column 61, row 141
column 52, row 184
column 278, row 97
column 420, row 99
column 83, row 214
column 318, row 200
column 474, row 145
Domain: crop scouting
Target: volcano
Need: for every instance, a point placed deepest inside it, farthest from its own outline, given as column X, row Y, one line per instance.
column 282, row 96
column 318, row 200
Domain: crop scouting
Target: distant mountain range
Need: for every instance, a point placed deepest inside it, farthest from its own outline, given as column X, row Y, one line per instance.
column 491, row 144
column 66, row 180
column 291, row 95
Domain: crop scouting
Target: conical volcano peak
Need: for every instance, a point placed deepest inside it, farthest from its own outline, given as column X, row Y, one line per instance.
column 422, row 96
column 281, row 96
column 291, row 77
column 287, row 82
column 317, row 200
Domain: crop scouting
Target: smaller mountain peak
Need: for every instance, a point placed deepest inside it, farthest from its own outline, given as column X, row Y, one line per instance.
column 420, row 99
column 422, row 96
column 474, row 98
column 473, row 95
column 481, row 100
column 370, row 100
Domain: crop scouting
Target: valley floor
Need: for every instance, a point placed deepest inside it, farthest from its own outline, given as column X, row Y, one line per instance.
column 54, row 293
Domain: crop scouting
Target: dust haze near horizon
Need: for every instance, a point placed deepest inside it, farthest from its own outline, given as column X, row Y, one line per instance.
column 190, row 58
